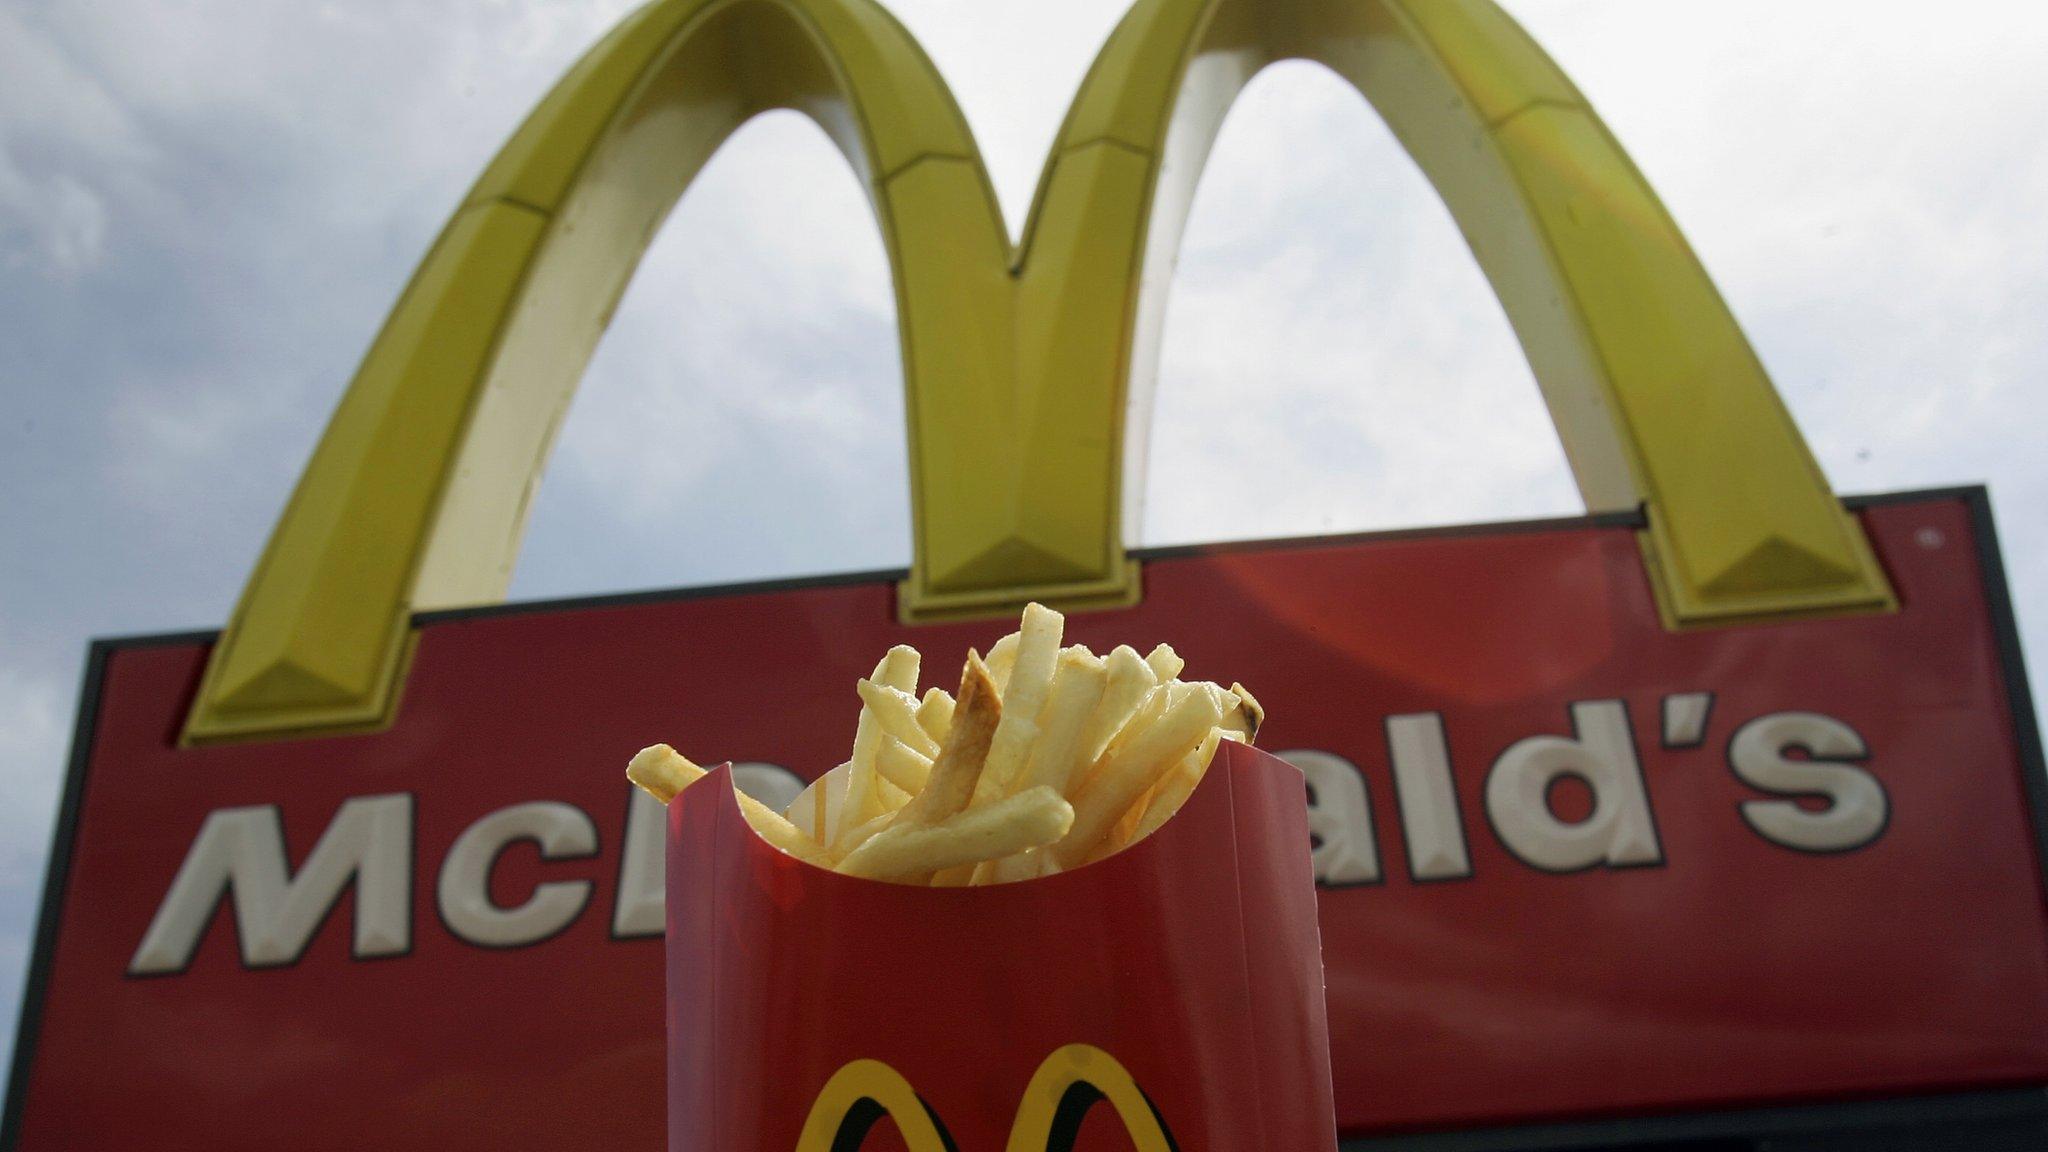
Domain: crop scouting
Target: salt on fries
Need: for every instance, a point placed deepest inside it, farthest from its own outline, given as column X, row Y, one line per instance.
column 1047, row 758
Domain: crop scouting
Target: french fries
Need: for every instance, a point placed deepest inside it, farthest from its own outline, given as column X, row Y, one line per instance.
column 864, row 799
column 958, row 766
column 1130, row 769
column 896, row 712
column 1130, row 680
column 1076, row 692
column 935, row 713
column 1030, row 679
column 1165, row 663
column 1046, row 759
column 1032, row 818
column 662, row 771
column 903, row 766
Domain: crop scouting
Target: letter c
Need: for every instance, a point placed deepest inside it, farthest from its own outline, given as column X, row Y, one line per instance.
column 562, row 831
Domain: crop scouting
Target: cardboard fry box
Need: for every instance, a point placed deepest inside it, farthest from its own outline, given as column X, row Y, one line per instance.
column 1173, row 991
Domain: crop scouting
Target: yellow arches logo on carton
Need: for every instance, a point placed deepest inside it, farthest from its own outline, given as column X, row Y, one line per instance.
column 1070, row 1082
column 1027, row 368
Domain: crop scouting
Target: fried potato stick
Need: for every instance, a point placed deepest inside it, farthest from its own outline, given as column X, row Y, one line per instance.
column 1132, row 768
column 1002, row 656
column 663, row 772
column 1164, row 798
column 903, row 766
column 1130, row 678
column 893, row 795
column 958, row 765
column 1077, row 689
column 1032, row 818
column 863, row 800
column 1165, row 663
column 899, row 668
column 1038, row 650
column 1148, row 712
column 1012, row 868
column 1244, row 717
column 1055, row 758
column 957, row 877
column 854, row 838
column 1172, row 792
column 935, row 713
column 1038, row 653
column 1021, row 866
column 897, row 713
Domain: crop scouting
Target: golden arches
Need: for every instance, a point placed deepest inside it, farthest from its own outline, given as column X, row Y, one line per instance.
column 1020, row 364
column 1656, row 394
column 856, row 1097
column 416, row 496
column 1067, row 1084
column 1070, row 1082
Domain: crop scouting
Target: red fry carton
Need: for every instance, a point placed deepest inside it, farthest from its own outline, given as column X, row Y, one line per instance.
column 1167, row 997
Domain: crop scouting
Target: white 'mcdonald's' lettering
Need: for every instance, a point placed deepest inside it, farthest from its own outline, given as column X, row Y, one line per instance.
column 1429, row 804
column 1339, row 818
column 1856, row 805
column 1617, row 833
column 643, row 883
column 561, row 831
column 240, row 853
column 1822, row 799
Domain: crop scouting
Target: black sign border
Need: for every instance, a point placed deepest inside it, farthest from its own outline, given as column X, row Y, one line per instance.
column 2009, row 1118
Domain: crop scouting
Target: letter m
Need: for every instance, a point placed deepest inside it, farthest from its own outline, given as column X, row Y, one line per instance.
column 240, row 854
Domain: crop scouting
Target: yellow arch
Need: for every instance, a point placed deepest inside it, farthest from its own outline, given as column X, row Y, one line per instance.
column 1656, row 394
column 856, row 1097
column 1070, row 1082
column 1067, row 1084
column 1019, row 364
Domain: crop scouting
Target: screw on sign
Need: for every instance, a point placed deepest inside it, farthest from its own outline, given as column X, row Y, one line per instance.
column 390, row 917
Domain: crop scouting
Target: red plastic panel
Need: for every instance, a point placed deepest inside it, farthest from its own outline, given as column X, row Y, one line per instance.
column 1735, row 970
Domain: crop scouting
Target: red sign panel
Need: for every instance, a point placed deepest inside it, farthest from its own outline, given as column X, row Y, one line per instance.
column 1574, row 864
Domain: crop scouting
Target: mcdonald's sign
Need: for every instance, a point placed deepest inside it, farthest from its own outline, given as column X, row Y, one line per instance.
column 1719, row 805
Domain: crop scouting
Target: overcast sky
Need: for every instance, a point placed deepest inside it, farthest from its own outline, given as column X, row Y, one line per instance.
column 206, row 208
